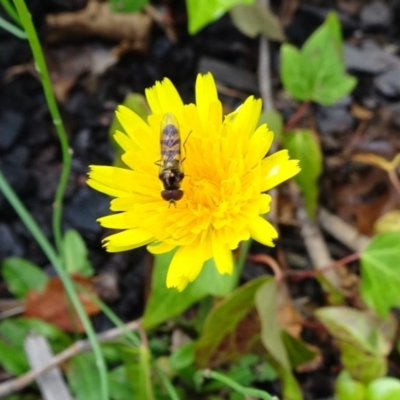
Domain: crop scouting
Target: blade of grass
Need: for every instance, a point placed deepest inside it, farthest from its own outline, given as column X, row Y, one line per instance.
column 245, row 391
column 41, row 68
column 9, row 27
column 11, row 11
column 52, row 256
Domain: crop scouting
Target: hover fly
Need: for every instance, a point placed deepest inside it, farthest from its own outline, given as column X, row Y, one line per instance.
column 171, row 173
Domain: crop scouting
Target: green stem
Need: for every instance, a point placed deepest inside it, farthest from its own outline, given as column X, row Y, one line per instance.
column 51, row 255
column 11, row 11
column 234, row 385
column 41, row 67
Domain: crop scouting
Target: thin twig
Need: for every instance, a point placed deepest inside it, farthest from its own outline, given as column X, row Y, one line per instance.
column 264, row 75
column 80, row 346
column 317, row 248
column 342, row 231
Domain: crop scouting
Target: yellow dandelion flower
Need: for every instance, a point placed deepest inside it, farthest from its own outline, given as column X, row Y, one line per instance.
column 225, row 176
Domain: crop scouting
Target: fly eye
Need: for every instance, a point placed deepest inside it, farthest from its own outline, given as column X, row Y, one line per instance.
column 172, row 195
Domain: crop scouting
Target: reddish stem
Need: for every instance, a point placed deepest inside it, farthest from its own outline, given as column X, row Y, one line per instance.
column 297, row 115
column 306, row 274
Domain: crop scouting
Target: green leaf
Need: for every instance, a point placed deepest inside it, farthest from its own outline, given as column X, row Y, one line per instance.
column 13, row 358
column 165, row 303
column 22, row 276
column 137, row 362
column 127, row 6
column 223, row 320
column 266, row 304
column 274, row 122
column 379, row 272
column 203, row 12
column 15, row 330
column 364, row 340
column 83, row 377
column 256, row 19
column 182, row 357
column 297, row 350
column 317, row 72
column 303, row 145
column 271, row 337
column 383, row 389
column 75, row 254
column 346, row 388
column 120, row 387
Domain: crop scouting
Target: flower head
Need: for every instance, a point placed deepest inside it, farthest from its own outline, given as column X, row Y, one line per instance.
column 226, row 175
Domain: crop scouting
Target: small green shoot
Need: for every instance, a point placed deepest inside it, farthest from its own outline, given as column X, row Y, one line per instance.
column 303, row 146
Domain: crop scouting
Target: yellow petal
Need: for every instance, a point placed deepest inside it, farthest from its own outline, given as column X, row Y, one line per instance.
column 137, row 129
column 160, row 248
column 206, row 93
column 260, row 142
column 106, row 189
column 128, row 203
column 125, row 142
column 278, row 168
column 127, row 240
column 163, row 97
column 123, row 220
column 185, row 267
column 262, row 231
column 265, row 203
column 247, row 116
column 222, row 256
column 116, row 178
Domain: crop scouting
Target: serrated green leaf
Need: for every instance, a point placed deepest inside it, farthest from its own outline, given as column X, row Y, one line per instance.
column 255, row 19
column 224, row 319
column 380, row 278
column 203, row 12
column 303, row 145
column 127, row 6
column 292, row 75
column 317, row 72
column 389, row 222
column 165, row 303
column 383, row 389
column 75, row 254
column 83, row 377
column 346, row 388
column 22, row 276
column 364, row 340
